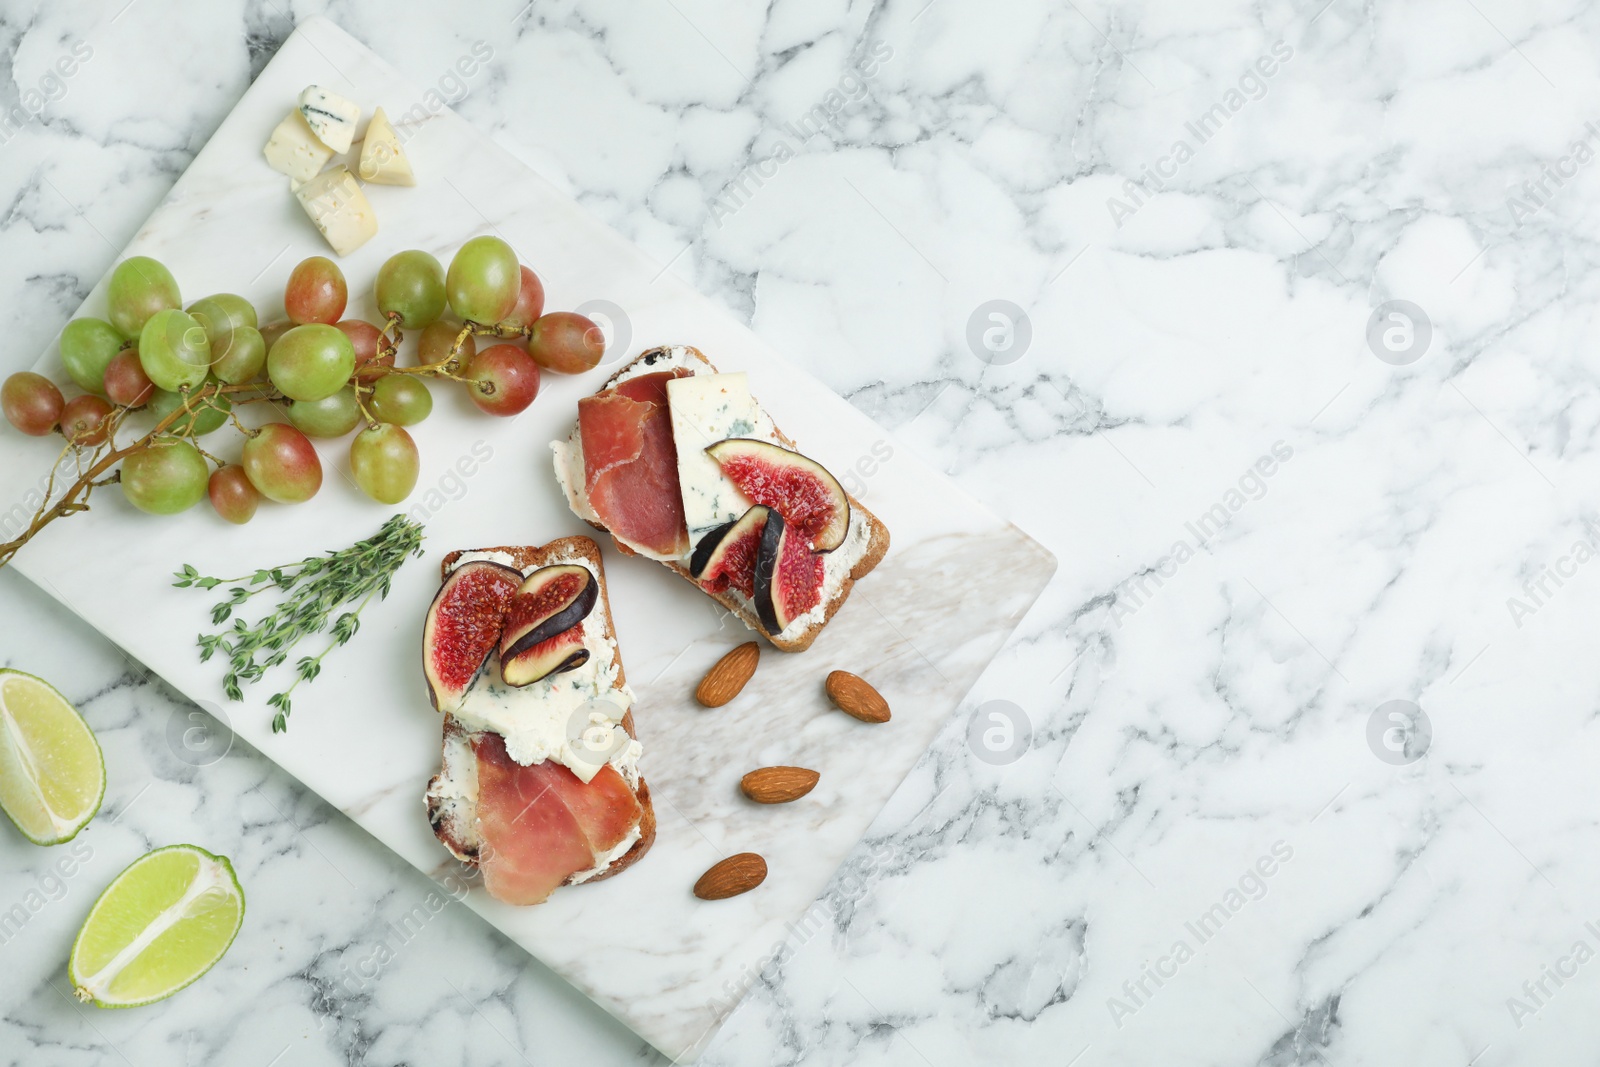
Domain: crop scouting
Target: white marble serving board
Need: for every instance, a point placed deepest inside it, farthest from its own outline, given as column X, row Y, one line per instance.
column 922, row 626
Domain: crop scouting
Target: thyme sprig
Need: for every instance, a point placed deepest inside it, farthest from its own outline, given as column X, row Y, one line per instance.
column 312, row 590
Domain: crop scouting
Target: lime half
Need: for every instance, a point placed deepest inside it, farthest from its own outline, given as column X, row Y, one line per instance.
column 158, row 927
column 52, row 776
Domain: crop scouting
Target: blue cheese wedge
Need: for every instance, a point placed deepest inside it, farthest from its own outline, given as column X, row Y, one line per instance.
column 331, row 117
column 707, row 408
column 293, row 149
column 382, row 159
column 339, row 208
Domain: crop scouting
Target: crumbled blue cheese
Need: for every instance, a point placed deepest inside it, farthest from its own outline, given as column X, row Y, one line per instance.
column 707, row 408
column 331, row 117
column 573, row 718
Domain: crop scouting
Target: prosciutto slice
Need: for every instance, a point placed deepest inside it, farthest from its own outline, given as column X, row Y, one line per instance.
column 631, row 464
column 540, row 825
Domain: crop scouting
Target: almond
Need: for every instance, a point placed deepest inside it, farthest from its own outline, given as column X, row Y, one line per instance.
column 778, row 785
column 728, row 675
column 734, row 875
column 855, row 697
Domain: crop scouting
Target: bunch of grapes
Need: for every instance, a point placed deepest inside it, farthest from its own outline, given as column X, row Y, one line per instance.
column 328, row 376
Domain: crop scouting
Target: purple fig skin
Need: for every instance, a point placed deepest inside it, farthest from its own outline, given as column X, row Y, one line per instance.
column 767, row 557
column 712, row 544
column 443, row 697
column 564, row 619
column 829, row 537
column 530, row 667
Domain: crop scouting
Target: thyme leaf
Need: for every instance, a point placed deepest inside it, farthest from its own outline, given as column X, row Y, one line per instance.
column 310, row 592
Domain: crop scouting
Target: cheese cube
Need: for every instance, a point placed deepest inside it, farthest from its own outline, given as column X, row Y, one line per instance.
column 382, row 160
column 331, row 117
column 294, row 150
column 705, row 409
column 339, row 208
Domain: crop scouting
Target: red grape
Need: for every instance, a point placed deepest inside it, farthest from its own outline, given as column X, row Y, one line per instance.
column 282, row 465
column 566, row 342
column 367, row 340
column 502, row 380
column 232, row 495
column 126, row 382
column 316, row 292
column 83, row 420
column 32, row 403
column 530, row 301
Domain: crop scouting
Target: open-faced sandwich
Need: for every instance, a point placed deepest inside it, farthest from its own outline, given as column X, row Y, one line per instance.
column 679, row 463
column 540, row 783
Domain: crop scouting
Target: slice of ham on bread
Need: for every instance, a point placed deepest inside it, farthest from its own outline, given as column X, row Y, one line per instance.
column 621, row 478
column 531, row 828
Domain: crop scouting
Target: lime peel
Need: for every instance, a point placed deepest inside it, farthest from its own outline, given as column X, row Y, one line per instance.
column 186, row 955
column 49, row 759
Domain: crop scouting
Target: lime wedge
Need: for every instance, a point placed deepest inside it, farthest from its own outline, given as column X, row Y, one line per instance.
column 157, row 928
column 52, row 775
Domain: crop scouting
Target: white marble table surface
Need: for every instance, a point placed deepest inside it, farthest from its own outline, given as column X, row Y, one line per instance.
column 1273, row 517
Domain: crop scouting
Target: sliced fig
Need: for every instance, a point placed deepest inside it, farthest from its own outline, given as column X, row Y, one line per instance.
column 811, row 501
column 727, row 555
column 463, row 627
column 549, row 601
column 788, row 576
column 563, row 652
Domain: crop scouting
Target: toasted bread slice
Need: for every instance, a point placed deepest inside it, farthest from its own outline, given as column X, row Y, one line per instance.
column 451, row 797
column 736, row 603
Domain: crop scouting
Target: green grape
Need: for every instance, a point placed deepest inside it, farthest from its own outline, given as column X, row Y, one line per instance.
column 87, row 347
column 140, row 287
column 221, row 314
column 165, row 477
column 411, row 285
column 384, row 462
column 241, row 361
column 332, row 416
column 401, row 399
column 281, row 464
column 311, row 362
column 484, row 280
column 224, row 317
column 206, row 415
column 173, row 350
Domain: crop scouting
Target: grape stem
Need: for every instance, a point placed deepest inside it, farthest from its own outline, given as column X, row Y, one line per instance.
column 107, row 454
column 76, row 496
